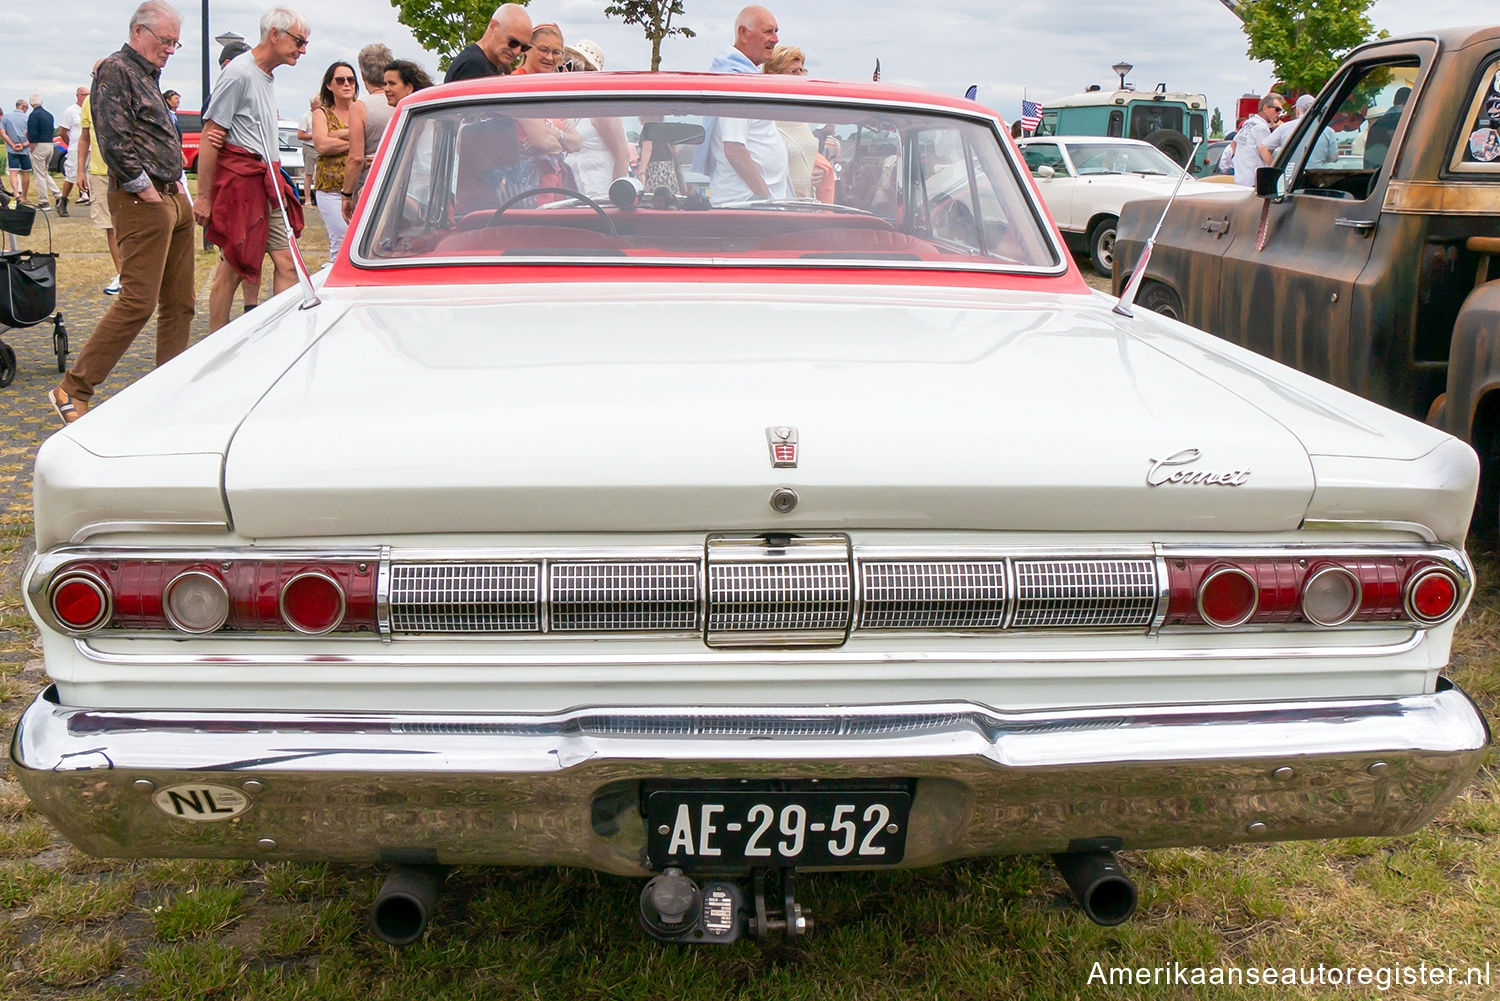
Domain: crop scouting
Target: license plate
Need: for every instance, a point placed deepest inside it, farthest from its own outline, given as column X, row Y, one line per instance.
column 701, row 829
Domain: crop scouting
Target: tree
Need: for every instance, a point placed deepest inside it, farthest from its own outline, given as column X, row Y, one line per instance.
column 1305, row 40
column 1216, row 125
column 653, row 15
column 446, row 26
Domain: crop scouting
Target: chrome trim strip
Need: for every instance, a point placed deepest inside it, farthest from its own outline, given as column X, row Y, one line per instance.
column 407, row 653
column 383, row 595
column 1024, row 782
column 1163, row 594
column 1354, row 525
column 94, row 528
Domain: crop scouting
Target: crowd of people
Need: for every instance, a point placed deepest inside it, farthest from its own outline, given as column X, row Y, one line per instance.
column 125, row 134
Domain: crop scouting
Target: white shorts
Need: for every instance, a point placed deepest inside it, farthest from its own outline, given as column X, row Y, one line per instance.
column 70, row 167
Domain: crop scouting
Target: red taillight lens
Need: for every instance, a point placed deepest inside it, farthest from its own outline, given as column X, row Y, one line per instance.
column 313, row 602
column 1227, row 597
column 1431, row 595
column 80, row 600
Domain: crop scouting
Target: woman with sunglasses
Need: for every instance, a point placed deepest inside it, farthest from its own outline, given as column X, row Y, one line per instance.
column 338, row 136
column 544, row 141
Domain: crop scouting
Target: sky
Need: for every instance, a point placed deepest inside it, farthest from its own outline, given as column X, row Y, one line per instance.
column 1040, row 48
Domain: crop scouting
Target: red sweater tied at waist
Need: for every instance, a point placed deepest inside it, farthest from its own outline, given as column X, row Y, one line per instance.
column 239, row 222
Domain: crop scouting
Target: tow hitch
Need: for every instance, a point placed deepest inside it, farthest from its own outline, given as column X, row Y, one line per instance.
column 674, row 908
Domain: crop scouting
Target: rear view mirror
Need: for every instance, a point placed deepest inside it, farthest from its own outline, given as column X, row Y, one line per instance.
column 1269, row 182
column 672, row 133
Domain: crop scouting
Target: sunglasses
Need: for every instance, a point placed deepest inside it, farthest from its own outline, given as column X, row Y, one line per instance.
column 301, row 42
column 343, row 79
column 516, row 43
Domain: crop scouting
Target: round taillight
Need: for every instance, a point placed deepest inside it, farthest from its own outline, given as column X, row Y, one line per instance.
column 1227, row 597
column 1330, row 596
column 1432, row 595
column 312, row 602
column 80, row 601
column 196, row 602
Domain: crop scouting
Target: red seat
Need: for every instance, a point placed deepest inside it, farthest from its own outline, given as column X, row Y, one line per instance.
column 850, row 240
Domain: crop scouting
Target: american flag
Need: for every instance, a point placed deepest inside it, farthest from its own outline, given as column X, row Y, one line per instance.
column 1031, row 115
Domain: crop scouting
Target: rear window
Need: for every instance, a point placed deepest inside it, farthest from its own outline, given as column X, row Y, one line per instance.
column 191, row 121
column 693, row 180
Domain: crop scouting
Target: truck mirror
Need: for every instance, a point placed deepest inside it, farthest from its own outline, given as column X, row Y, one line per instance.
column 1270, row 183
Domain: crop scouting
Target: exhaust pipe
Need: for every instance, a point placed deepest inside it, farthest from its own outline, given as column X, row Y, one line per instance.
column 1099, row 885
column 403, row 906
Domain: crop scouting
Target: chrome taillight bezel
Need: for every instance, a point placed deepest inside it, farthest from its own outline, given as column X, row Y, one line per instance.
column 1416, row 579
column 166, row 602
column 1214, row 575
column 1353, row 606
column 100, row 586
column 319, row 575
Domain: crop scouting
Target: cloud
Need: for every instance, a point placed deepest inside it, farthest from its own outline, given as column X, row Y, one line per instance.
column 1042, row 47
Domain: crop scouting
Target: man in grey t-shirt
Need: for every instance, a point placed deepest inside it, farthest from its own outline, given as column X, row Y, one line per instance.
column 238, row 126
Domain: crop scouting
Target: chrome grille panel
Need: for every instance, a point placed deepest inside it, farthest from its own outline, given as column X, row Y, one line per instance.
column 792, row 591
column 1084, row 593
column 929, row 594
column 450, row 598
column 767, row 591
column 622, row 596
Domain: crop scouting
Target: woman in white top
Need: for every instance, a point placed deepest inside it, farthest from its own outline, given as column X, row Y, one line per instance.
column 801, row 144
column 605, row 155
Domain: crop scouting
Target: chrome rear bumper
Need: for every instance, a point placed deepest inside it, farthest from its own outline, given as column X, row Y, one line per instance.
column 564, row 789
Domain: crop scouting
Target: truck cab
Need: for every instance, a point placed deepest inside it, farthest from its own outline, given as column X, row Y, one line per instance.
column 1171, row 121
column 1364, row 256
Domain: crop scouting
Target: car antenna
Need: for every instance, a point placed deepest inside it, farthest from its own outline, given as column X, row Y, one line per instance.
column 1127, row 298
column 309, row 297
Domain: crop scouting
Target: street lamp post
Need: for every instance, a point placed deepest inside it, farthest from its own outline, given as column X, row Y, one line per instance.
column 203, row 105
column 1122, row 68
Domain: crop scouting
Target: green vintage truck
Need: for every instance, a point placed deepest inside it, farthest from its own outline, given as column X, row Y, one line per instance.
column 1171, row 121
column 1366, row 255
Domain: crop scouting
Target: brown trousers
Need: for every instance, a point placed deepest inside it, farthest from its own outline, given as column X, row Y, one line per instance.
column 156, row 273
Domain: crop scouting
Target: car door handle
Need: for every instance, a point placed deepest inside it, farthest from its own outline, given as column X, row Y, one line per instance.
column 1216, row 226
column 1363, row 225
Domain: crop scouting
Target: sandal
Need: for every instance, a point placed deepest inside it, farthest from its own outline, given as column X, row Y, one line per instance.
column 62, row 403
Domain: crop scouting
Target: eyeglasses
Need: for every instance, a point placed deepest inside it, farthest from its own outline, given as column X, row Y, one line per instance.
column 172, row 44
column 1281, row 108
column 553, row 53
column 301, row 42
column 343, row 79
column 516, row 43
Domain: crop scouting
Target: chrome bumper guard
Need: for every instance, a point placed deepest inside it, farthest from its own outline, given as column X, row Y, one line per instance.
column 564, row 789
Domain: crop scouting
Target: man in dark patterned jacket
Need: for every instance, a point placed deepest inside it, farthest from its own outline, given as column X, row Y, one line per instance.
column 152, row 216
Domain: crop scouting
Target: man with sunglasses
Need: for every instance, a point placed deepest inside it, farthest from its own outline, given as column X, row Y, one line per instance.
column 505, row 38
column 1254, row 134
column 235, row 203
column 152, row 217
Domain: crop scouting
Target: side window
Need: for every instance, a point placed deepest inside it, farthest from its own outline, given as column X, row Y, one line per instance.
column 1044, row 155
column 1116, row 123
column 1342, row 153
column 1148, row 118
column 1478, row 149
column 1049, row 124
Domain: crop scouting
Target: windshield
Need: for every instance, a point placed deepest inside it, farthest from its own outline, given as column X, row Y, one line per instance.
column 1120, row 158
column 692, row 180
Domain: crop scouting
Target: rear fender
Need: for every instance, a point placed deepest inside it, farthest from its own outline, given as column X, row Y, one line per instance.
column 1474, row 364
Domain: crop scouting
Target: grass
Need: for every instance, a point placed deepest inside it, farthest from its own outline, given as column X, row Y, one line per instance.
column 77, row 928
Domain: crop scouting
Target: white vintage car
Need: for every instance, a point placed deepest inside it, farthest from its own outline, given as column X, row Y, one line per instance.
column 707, row 539
column 1085, row 180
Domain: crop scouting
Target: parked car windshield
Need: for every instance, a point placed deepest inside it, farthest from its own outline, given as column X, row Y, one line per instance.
column 693, row 180
column 1120, row 158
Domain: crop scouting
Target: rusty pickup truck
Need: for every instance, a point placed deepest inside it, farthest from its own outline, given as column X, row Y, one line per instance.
column 1366, row 255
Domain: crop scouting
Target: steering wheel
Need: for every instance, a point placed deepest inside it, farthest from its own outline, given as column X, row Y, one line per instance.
column 609, row 227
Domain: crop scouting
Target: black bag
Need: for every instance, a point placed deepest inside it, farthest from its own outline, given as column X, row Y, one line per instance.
column 28, row 288
column 17, row 219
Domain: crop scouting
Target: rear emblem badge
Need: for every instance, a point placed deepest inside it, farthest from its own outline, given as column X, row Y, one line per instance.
column 783, row 442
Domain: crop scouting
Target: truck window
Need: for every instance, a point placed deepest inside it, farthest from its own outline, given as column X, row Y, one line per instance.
column 1342, row 155
column 1148, row 118
column 1116, row 123
column 1478, row 147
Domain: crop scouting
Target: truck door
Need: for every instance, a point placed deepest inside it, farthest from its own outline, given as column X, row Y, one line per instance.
column 1288, row 276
